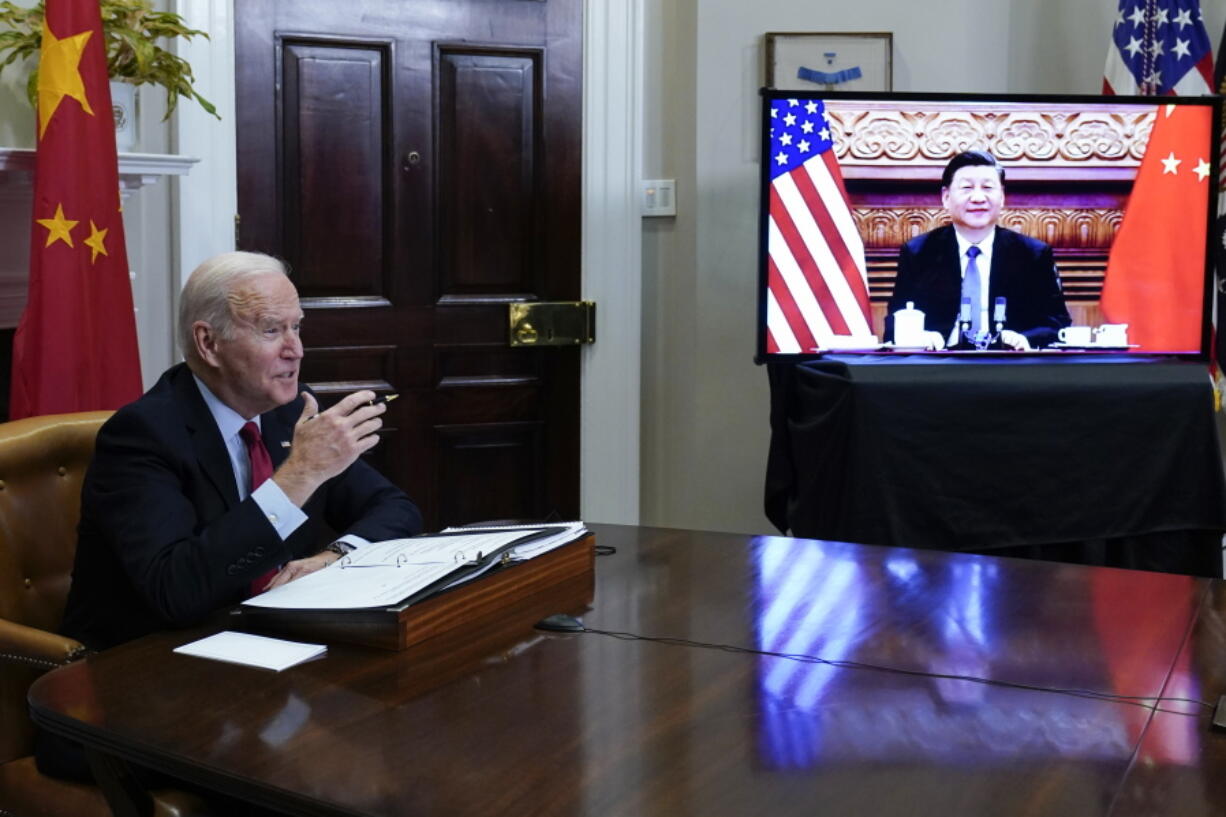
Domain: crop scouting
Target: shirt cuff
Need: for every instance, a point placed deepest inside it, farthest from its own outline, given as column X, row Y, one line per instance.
column 352, row 540
column 283, row 515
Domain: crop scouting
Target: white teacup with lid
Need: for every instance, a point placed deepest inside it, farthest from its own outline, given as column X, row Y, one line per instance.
column 909, row 326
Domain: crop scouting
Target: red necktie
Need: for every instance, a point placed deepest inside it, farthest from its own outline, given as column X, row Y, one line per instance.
column 261, row 470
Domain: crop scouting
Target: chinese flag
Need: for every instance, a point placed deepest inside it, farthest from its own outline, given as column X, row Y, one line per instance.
column 1156, row 271
column 75, row 348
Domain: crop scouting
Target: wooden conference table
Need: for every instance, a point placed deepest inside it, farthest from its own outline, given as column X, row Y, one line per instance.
column 502, row 723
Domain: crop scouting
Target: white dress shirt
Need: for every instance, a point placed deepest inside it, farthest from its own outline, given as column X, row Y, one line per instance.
column 285, row 516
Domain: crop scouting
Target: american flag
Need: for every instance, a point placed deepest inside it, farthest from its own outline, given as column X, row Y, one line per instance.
column 1159, row 47
column 817, row 287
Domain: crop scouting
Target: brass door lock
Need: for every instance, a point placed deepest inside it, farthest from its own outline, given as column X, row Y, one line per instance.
column 552, row 323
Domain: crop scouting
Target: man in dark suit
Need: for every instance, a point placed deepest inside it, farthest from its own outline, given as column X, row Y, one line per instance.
column 933, row 268
column 172, row 528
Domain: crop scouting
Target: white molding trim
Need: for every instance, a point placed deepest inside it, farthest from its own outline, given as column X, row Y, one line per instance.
column 137, row 165
column 612, row 260
column 136, row 170
column 206, row 202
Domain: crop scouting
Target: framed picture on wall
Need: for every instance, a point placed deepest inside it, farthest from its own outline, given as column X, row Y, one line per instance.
column 816, row 61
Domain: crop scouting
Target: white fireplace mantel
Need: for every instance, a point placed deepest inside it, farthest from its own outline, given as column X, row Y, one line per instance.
column 135, row 169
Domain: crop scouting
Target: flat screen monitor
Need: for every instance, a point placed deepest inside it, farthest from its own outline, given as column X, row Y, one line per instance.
column 1006, row 224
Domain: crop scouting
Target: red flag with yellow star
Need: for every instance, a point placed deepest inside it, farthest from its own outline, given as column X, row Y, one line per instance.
column 1155, row 273
column 75, row 348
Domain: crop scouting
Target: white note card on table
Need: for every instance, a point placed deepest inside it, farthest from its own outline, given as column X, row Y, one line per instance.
column 252, row 650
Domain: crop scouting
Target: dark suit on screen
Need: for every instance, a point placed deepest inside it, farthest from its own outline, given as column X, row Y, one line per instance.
column 1023, row 272
column 164, row 540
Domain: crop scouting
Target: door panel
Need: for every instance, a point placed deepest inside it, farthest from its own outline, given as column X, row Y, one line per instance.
column 332, row 102
column 417, row 164
column 488, row 105
column 488, row 471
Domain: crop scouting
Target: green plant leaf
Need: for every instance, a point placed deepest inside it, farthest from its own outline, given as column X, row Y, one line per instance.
column 130, row 29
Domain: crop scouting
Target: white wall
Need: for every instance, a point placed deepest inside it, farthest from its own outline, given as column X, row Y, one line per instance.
column 705, row 403
column 149, row 233
column 16, row 115
column 670, row 383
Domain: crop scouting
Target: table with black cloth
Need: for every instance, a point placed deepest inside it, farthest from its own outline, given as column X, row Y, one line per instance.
column 1027, row 456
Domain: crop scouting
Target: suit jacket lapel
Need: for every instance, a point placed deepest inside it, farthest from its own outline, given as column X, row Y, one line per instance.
column 1002, row 268
column 951, row 280
column 951, row 260
column 209, row 447
column 276, row 434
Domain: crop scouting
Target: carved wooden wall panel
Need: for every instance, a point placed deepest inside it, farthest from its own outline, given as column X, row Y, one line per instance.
column 1074, row 228
column 1060, row 136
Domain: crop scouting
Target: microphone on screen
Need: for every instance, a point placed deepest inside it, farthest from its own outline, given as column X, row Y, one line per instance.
column 998, row 324
column 964, row 341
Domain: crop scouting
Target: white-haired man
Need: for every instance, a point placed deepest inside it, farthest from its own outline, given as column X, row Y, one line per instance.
column 225, row 478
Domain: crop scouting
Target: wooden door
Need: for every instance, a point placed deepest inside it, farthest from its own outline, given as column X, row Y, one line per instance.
column 417, row 164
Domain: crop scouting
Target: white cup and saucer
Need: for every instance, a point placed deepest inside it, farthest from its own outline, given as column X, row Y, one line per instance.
column 1114, row 335
column 1075, row 336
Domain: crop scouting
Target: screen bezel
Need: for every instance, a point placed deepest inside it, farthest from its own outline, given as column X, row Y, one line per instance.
column 1208, row 291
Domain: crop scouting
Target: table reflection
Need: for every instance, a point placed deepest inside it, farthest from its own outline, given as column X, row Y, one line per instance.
column 963, row 616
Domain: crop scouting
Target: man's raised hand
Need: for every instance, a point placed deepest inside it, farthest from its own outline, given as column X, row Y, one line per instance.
column 327, row 442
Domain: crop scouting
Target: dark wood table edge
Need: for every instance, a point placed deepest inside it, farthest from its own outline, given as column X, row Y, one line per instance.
column 109, row 760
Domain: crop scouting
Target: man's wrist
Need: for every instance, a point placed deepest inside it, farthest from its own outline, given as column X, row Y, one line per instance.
column 297, row 486
column 339, row 548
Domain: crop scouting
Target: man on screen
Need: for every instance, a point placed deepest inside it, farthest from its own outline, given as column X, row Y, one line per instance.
column 975, row 258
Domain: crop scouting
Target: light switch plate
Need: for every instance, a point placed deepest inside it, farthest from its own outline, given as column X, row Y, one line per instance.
column 659, row 197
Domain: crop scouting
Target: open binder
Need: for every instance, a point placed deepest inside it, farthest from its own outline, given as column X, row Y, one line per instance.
column 398, row 593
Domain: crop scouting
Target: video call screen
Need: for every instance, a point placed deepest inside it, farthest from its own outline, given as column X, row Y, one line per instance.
column 1101, row 230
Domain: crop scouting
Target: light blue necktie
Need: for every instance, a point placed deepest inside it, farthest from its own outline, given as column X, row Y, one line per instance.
column 971, row 289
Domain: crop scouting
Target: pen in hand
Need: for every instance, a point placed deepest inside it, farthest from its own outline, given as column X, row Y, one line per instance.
column 385, row 398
